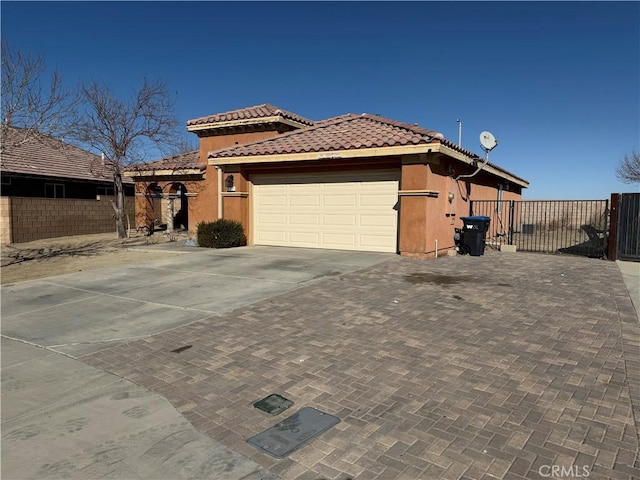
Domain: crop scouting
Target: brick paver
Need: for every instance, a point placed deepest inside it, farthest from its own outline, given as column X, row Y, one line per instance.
column 501, row 366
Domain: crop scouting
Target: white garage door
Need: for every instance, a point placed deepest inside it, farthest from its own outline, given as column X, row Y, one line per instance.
column 354, row 211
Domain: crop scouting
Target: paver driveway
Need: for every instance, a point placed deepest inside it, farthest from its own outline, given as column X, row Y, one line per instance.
column 502, row 366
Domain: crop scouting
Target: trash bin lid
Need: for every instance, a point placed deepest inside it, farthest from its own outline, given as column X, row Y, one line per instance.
column 477, row 218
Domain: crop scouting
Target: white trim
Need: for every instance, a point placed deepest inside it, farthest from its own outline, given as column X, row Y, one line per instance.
column 164, row 173
column 324, row 155
column 364, row 153
column 418, row 193
column 246, row 122
column 235, row 194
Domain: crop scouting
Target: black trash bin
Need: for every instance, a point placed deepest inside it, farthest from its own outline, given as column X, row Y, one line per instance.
column 474, row 231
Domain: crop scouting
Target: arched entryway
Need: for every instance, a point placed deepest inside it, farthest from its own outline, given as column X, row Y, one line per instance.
column 178, row 193
column 153, row 215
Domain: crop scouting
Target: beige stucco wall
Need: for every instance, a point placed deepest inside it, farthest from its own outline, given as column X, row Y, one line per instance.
column 37, row 218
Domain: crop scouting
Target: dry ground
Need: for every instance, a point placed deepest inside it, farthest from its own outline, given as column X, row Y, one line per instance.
column 56, row 256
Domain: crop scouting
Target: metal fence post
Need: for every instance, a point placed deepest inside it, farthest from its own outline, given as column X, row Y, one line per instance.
column 511, row 202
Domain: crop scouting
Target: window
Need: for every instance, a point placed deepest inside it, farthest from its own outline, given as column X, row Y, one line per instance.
column 106, row 191
column 54, row 190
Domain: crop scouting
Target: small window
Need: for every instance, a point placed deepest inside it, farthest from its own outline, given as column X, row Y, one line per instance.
column 54, row 190
column 6, row 180
column 106, row 191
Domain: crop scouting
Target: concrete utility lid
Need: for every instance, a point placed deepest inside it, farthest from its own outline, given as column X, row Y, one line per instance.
column 292, row 433
column 273, row 404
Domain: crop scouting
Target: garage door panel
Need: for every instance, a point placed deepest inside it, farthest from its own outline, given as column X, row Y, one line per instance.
column 378, row 221
column 272, row 219
column 273, row 200
column 270, row 237
column 340, row 200
column 340, row 220
column 304, row 200
column 295, row 219
column 335, row 188
column 378, row 200
column 374, row 240
column 304, row 238
column 338, row 240
column 352, row 211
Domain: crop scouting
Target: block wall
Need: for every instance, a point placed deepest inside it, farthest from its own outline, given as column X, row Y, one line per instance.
column 30, row 219
column 5, row 220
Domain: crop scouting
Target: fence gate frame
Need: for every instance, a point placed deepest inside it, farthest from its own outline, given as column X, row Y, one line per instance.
column 577, row 227
column 624, row 235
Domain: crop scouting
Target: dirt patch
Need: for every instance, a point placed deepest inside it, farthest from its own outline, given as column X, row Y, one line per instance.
column 56, row 256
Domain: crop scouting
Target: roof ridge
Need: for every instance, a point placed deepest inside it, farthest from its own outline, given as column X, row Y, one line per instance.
column 317, row 125
column 407, row 126
column 253, row 111
column 331, row 121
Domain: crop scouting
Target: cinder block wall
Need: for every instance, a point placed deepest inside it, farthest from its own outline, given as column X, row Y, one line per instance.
column 5, row 220
column 37, row 218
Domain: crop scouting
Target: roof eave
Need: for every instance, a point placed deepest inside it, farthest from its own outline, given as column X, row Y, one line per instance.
column 433, row 147
column 164, row 172
column 246, row 122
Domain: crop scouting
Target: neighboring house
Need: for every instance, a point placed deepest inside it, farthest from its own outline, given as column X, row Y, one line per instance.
column 51, row 189
column 354, row 182
column 50, row 168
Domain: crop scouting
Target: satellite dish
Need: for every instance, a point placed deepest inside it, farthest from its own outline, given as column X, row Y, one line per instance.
column 488, row 141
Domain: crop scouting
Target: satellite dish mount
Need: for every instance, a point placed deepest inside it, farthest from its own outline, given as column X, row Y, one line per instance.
column 488, row 143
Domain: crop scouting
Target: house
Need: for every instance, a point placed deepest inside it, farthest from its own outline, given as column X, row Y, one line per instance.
column 51, row 188
column 43, row 166
column 354, row 182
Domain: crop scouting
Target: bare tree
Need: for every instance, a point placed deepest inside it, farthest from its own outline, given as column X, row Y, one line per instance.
column 29, row 108
column 124, row 131
column 185, row 145
column 628, row 170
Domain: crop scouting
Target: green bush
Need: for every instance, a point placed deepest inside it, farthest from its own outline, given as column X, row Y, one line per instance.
column 222, row 233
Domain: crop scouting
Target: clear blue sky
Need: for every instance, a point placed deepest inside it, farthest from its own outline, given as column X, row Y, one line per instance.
column 557, row 83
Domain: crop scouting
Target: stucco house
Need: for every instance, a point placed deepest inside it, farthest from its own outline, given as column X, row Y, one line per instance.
column 353, row 182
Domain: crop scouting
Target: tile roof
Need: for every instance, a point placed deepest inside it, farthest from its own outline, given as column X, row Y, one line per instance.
column 183, row 161
column 46, row 156
column 345, row 132
column 258, row 111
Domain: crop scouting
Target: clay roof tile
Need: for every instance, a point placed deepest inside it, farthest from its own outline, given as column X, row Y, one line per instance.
column 258, row 111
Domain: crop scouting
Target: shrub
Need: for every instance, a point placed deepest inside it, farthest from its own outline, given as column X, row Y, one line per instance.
column 222, row 233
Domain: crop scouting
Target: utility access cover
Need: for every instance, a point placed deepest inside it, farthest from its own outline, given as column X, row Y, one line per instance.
column 293, row 432
column 273, row 404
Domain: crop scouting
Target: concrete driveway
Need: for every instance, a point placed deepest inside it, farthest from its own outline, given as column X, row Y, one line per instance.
column 84, row 312
column 62, row 418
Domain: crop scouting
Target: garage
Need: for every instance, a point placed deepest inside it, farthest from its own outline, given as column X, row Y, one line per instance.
column 345, row 211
